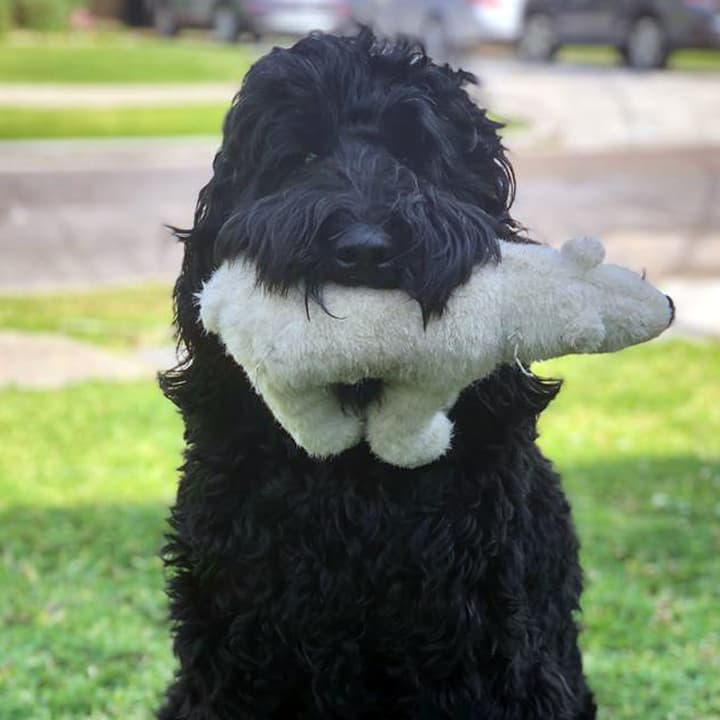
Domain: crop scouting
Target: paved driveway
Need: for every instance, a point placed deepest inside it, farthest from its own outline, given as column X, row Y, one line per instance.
column 88, row 213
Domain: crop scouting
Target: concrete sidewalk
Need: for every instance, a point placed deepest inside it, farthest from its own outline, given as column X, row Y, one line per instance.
column 44, row 361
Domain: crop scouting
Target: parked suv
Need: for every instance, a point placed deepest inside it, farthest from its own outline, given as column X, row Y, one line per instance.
column 644, row 31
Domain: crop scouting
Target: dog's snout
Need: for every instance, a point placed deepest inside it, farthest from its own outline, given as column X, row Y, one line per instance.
column 363, row 255
column 363, row 245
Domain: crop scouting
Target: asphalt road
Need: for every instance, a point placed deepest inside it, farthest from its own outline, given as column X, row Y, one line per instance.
column 94, row 213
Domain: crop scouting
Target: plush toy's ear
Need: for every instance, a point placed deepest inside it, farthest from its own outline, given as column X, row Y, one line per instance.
column 585, row 252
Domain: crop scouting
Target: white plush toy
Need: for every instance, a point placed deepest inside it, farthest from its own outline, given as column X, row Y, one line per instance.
column 536, row 303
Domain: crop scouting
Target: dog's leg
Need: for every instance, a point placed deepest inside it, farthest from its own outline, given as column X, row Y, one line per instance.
column 409, row 427
column 314, row 418
column 174, row 706
column 589, row 710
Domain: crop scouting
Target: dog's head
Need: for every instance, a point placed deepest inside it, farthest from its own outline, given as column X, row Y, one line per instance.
column 358, row 162
column 354, row 161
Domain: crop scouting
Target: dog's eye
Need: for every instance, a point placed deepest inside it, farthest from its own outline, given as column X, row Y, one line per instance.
column 310, row 158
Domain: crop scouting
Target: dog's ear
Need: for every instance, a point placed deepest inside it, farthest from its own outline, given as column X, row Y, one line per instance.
column 214, row 207
column 211, row 211
column 490, row 184
column 215, row 204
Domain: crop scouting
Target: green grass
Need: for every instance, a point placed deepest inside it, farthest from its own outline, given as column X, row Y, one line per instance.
column 123, row 318
column 35, row 123
column 686, row 60
column 636, row 437
column 84, row 488
column 118, row 58
column 86, row 474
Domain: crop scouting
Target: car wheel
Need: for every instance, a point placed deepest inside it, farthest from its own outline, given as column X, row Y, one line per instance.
column 538, row 41
column 226, row 27
column 646, row 45
column 435, row 40
column 165, row 21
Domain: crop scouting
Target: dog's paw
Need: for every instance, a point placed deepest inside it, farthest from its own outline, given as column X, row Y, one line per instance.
column 399, row 447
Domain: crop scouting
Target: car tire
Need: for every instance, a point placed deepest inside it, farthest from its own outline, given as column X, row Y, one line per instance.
column 226, row 26
column 646, row 44
column 538, row 41
column 165, row 20
column 435, row 40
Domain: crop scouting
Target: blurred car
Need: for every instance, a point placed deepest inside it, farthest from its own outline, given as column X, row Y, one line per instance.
column 227, row 18
column 644, row 31
column 444, row 26
column 230, row 18
column 299, row 17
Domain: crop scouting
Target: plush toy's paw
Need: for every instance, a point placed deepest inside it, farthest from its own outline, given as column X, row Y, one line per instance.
column 583, row 333
column 408, row 427
column 409, row 447
column 314, row 419
column 331, row 435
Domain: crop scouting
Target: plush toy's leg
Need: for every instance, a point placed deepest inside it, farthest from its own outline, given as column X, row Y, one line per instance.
column 408, row 427
column 314, row 419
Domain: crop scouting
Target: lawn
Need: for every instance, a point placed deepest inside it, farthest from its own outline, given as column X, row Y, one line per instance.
column 685, row 60
column 124, row 318
column 119, row 58
column 32, row 123
column 84, row 489
column 46, row 123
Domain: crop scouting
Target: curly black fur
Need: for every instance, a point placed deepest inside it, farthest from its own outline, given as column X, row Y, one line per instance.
column 348, row 588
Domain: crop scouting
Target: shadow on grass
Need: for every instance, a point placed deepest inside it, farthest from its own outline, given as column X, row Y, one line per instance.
column 650, row 542
column 84, row 624
column 657, row 507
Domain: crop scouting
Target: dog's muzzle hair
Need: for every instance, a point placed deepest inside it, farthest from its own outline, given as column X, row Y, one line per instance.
column 395, row 179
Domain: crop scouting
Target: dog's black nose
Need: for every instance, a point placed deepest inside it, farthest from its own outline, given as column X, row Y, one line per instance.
column 363, row 255
column 362, row 245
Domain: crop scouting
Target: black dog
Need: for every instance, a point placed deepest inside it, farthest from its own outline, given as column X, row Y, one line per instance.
column 348, row 588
